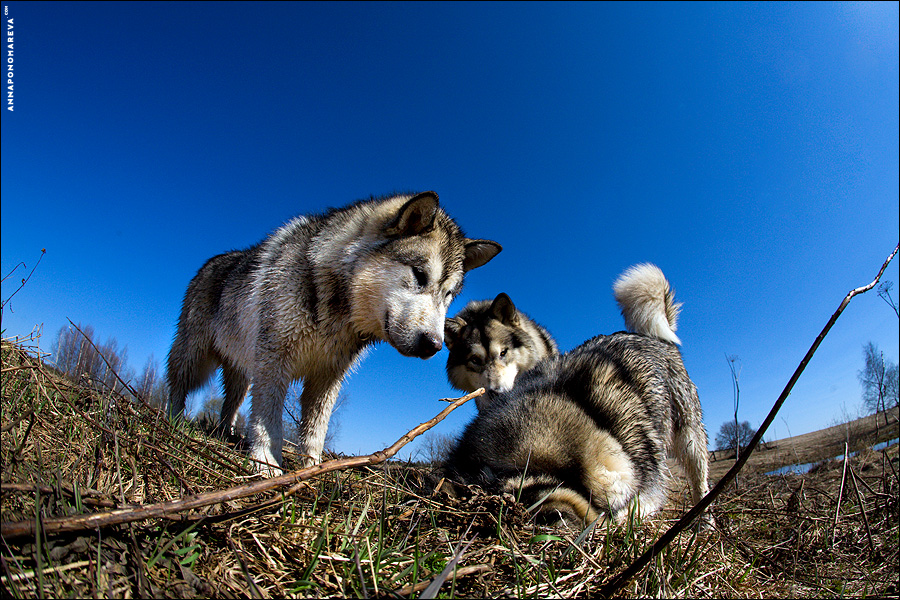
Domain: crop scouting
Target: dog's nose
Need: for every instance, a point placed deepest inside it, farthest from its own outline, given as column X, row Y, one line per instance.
column 427, row 345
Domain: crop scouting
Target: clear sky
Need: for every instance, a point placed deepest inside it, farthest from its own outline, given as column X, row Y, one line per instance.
column 749, row 150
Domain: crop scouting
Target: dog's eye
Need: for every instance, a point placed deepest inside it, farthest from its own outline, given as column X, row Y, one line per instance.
column 421, row 276
column 503, row 352
column 476, row 362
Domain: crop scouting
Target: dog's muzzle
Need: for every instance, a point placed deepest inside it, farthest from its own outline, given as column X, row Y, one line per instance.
column 427, row 345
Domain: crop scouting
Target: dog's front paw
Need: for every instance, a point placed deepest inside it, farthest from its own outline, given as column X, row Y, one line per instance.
column 265, row 464
column 707, row 522
column 268, row 470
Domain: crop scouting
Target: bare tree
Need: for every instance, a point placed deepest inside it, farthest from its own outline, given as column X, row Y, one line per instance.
column 211, row 408
column 879, row 381
column 77, row 355
column 74, row 354
column 734, row 437
column 68, row 348
column 210, row 411
column 150, row 386
column 114, row 370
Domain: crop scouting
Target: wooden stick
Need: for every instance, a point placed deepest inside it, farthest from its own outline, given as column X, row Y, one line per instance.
column 138, row 513
column 460, row 572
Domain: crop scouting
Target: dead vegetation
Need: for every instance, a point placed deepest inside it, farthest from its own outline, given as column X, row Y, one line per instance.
column 69, row 450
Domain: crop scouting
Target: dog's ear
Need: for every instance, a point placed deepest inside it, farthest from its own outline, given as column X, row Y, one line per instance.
column 414, row 217
column 479, row 252
column 452, row 330
column 504, row 310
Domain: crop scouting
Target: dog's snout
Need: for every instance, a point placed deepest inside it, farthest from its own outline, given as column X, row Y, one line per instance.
column 427, row 345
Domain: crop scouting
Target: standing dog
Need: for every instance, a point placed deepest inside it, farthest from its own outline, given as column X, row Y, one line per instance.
column 307, row 300
column 492, row 343
column 587, row 433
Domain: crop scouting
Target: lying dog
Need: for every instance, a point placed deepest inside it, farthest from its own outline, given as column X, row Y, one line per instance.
column 587, row 434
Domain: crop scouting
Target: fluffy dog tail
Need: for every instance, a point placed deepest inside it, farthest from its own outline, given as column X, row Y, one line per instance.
column 647, row 302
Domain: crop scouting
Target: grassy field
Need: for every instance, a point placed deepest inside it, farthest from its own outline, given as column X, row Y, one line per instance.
column 76, row 459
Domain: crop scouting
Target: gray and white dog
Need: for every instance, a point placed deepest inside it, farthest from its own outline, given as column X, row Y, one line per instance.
column 586, row 434
column 491, row 343
column 307, row 300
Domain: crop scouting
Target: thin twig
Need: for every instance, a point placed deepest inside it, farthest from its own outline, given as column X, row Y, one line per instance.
column 460, row 572
column 139, row 513
column 359, row 571
column 68, row 489
column 11, row 426
column 862, row 508
column 31, row 421
column 837, row 507
column 436, row 583
column 616, row 583
column 26, row 575
column 239, row 554
column 24, row 281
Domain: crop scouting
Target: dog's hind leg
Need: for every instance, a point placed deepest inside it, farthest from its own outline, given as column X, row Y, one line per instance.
column 690, row 450
column 189, row 366
column 236, row 384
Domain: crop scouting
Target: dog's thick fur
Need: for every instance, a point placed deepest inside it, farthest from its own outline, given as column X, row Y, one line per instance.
column 306, row 301
column 587, row 434
column 491, row 343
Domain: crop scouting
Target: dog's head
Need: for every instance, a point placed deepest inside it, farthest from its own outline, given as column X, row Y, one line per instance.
column 488, row 347
column 410, row 271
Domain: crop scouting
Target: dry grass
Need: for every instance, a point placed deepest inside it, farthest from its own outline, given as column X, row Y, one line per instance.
column 69, row 450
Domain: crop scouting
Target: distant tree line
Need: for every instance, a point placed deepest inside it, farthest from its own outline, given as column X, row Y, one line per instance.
column 104, row 366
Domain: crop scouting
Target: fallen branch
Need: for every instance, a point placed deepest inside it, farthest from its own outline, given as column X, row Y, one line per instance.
column 616, row 583
column 16, row 529
column 407, row 590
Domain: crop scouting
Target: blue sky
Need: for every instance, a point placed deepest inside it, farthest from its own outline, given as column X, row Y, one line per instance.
column 750, row 150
